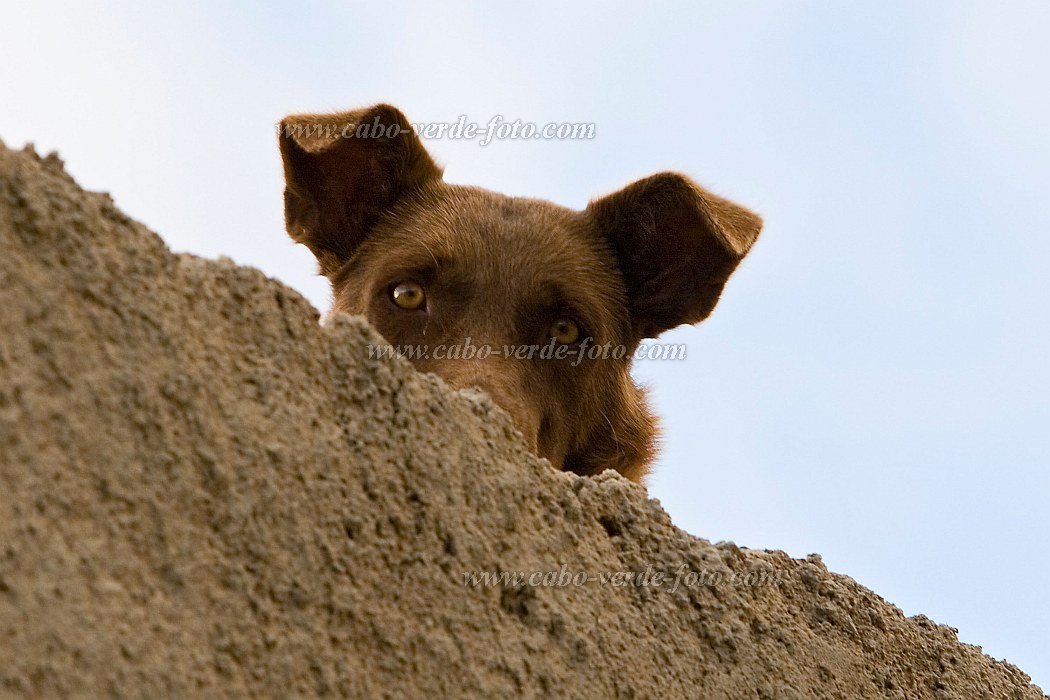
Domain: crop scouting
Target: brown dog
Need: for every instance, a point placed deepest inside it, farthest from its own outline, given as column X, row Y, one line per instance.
column 435, row 265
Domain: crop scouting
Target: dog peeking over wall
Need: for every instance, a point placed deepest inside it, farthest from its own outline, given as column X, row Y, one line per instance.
column 432, row 264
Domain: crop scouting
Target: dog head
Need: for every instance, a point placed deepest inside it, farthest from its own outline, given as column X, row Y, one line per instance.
column 533, row 287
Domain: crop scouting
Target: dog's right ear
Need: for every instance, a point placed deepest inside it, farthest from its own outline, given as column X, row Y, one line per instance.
column 677, row 245
column 342, row 172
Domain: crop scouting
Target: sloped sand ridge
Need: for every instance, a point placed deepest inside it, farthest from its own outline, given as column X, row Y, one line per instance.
column 203, row 492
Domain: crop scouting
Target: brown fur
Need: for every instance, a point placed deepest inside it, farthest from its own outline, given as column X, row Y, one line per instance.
column 499, row 270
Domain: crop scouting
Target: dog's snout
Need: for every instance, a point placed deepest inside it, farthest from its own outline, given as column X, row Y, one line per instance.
column 502, row 389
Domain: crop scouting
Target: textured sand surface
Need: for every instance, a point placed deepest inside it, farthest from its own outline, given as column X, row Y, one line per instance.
column 203, row 492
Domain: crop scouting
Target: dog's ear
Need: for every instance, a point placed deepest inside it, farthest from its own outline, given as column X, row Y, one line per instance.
column 343, row 171
column 677, row 244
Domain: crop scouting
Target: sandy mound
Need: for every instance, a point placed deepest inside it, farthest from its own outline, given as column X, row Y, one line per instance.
column 205, row 492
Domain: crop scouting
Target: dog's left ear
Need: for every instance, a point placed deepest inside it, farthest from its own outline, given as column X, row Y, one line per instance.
column 677, row 244
column 342, row 172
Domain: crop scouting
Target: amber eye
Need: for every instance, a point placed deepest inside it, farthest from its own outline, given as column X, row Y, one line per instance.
column 408, row 295
column 564, row 330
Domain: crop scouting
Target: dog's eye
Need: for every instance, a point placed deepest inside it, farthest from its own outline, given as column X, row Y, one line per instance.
column 565, row 331
column 408, row 295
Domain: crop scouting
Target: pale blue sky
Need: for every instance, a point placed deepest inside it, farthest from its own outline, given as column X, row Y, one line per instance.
column 874, row 384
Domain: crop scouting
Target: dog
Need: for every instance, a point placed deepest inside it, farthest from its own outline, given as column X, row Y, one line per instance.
column 435, row 265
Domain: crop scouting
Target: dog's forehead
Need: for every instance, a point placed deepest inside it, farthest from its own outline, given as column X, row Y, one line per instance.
column 467, row 222
column 534, row 250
